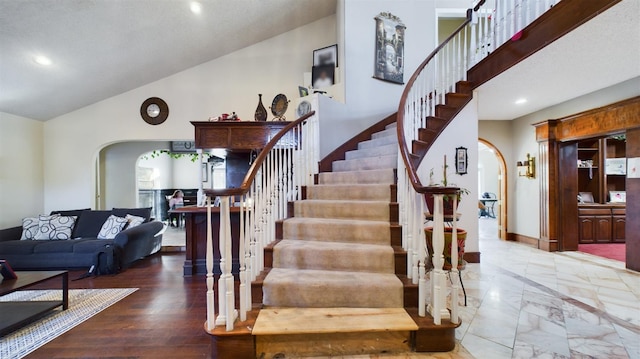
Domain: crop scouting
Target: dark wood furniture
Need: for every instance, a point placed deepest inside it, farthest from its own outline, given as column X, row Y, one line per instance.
column 236, row 135
column 238, row 138
column 588, row 136
column 16, row 314
column 601, row 223
column 196, row 239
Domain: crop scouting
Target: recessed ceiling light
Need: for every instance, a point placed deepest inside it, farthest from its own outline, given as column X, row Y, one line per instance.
column 42, row 60
column 195, row 7
column 520, row 101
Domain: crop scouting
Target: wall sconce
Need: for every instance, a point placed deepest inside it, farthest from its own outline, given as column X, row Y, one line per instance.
column 527, row 168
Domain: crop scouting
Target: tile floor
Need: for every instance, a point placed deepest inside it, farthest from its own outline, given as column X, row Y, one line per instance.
column 527, row 303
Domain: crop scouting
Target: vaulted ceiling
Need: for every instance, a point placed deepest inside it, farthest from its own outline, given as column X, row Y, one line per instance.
column 101, row 48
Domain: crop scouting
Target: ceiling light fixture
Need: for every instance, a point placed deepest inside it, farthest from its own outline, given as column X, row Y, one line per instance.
column 42, row 60
column 195, row 7
column 520, row 101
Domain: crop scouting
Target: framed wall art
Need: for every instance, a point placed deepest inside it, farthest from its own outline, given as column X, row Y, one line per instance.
column 325, row 56
column 462, row 160
column 389, row 55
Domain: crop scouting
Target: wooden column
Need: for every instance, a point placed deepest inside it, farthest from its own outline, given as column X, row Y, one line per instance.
column 548, row 178
column 632, row 225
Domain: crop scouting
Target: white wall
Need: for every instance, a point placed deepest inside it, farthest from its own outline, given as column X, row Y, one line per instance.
column 21, row 158
column 461, row 132
column 369, row 100
column 488, row 162
column 231, row 83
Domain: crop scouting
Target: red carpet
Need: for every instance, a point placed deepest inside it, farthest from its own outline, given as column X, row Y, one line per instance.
column 615, row 251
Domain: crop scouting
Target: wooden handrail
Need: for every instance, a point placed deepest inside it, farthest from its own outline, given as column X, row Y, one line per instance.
column 412, row 169
column 257, row 163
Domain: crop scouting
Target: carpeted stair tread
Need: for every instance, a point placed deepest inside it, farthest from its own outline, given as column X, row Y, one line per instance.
column 278, row 321
column 368, row 163
column 362, row 192
column 376, row 142
column 358, row 177
column 391, row 149
column 311, row 288
column 389, row 132
column 352, row 257
column 366, row 210
column 337, row 230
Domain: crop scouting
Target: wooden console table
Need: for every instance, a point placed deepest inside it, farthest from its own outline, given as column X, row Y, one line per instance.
column 196, row 234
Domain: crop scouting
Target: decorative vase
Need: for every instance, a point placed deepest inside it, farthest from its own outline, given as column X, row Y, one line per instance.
column 261, row 111
column 462, row 237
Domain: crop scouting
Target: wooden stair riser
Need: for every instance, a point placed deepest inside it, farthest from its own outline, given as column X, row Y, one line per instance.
column 457, row 99
column 436, row 123
column 464, row 87
column 333, row 344
column 427, row 135
column 446, row 111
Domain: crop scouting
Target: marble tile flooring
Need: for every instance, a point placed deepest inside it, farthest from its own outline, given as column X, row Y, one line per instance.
column 527, row 303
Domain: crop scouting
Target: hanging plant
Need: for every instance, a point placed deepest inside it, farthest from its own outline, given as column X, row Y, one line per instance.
column 176, row 155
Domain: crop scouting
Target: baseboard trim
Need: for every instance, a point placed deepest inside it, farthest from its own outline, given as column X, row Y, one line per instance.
column 548, row 245
column 472, row 257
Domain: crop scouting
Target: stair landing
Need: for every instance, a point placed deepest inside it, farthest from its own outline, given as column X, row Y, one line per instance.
column 332, row 331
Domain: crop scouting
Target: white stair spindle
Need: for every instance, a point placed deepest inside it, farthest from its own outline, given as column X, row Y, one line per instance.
column 211, row 309
column 454, row 264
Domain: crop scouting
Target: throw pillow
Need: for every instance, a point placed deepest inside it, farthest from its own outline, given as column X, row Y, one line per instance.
column 29, row 228
column 55, row 227
column 111, row 227
column 134, row 221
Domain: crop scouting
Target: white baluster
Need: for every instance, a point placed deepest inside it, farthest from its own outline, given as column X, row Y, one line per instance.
column 211, row 310
column 241, row 257
column 222, row 282
column 422, row 283
column 454, row 264
column 225, row 222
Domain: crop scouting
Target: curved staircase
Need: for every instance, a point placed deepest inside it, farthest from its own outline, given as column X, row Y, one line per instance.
column 332, row 278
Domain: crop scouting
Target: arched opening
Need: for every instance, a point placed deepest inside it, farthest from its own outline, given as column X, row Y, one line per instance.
column 492, row 184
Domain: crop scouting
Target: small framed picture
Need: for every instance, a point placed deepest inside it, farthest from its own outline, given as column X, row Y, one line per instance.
column 325, row 56
column 205, row 172
column 322, row 76
column 461, row 160
column 303, row 91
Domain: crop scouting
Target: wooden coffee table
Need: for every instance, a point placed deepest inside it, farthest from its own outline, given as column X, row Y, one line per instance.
column 14, row 315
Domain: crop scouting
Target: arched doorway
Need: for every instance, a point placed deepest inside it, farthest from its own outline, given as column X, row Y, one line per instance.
column 497, row 174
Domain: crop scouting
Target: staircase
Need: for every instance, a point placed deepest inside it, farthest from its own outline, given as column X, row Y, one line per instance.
column 331, row 288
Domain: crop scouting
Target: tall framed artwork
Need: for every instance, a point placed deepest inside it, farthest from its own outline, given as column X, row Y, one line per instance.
column 389, row 56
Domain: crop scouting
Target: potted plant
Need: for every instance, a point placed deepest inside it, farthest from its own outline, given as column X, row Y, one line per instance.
column 447, row 199
column 448, row 214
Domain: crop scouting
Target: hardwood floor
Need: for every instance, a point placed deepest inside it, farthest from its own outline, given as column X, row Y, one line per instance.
column 163, row 319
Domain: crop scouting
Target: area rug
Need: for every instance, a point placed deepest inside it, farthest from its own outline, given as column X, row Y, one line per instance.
column 615, row 251
column 83, row 304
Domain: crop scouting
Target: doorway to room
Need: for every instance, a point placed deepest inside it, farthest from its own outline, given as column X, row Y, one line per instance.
column 492, row 187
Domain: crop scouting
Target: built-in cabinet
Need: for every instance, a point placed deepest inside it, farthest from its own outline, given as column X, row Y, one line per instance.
column 601, row 219
column 601, row 223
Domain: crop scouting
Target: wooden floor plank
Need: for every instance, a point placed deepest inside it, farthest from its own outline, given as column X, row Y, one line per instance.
column 163, row 319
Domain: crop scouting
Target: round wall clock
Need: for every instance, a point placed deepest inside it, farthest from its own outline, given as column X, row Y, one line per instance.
column 154, row 111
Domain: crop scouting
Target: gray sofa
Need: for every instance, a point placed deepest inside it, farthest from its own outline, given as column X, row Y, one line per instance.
column 85, row 250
